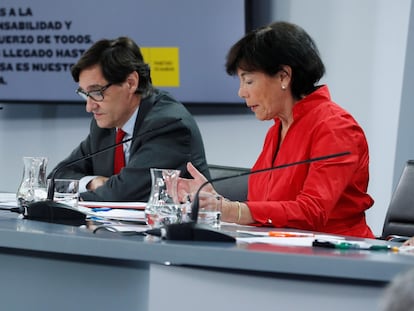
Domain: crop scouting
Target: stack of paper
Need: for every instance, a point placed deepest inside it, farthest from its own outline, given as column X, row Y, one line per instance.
column 123, row 205
column 122, row 211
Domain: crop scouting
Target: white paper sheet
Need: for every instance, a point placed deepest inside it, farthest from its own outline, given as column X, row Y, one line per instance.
column 119, row 214
column 288, row 241
column 127, row 205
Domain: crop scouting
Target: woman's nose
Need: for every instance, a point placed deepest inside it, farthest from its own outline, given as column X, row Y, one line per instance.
column 241, row 93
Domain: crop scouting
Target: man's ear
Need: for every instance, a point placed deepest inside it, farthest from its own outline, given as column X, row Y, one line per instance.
column 133, row 81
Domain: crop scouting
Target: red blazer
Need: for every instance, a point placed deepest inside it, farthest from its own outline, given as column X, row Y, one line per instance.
column 326, row 196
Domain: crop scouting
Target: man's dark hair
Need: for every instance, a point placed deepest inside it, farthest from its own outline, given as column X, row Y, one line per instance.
column 117, row 59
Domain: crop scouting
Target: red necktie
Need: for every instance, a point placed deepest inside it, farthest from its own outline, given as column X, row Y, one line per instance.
column 119, row 161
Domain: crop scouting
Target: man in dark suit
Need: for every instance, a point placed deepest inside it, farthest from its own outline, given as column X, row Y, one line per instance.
column 116, row 84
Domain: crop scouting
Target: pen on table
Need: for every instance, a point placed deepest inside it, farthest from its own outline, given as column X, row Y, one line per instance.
column 384, row 247
column 279, row 234
column 349, row 245
column 282, row 234
column 101, row 209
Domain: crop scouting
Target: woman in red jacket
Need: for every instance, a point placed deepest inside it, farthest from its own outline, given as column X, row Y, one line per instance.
column 279, row 67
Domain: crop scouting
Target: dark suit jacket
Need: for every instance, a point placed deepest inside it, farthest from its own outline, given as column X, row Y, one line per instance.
column 170, row 147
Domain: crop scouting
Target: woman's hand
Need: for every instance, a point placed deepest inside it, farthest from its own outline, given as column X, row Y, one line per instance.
column 409, row 242
column 187, row 188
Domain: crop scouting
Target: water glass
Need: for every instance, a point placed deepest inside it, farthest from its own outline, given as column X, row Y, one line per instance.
column 66, row 191
column 209, row 209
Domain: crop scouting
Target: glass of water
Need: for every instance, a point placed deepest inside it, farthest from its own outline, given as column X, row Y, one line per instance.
column 66, row 191
column 209, row 209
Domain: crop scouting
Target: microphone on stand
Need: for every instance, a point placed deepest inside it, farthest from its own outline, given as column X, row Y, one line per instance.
column 51, row 211
column 191, row 231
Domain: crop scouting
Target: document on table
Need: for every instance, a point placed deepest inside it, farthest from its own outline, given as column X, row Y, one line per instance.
column 124, row 205
column 284, row 238
column 120, row 220
column 118, row 214
column 290, row 238
column 123, row 211
column 8, row 199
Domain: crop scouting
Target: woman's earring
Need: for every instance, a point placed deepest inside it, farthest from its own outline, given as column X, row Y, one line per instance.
column 283, row 87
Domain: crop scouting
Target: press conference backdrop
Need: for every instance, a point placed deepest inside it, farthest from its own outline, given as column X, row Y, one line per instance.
column 40, row 40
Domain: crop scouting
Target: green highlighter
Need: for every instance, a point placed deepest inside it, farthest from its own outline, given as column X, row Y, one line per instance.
column 353, row 245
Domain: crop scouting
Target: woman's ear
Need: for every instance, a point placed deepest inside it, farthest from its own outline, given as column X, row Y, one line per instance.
column 286, row 73
column 285, row 76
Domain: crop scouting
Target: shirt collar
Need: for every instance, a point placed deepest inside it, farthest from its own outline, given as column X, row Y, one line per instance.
column 128, row 127
column 302, row 107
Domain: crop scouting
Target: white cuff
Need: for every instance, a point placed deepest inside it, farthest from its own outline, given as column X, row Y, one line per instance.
column 83, row 182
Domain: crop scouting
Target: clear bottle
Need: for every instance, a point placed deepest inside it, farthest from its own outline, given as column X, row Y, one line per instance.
column 163, row 206
column 33, row 186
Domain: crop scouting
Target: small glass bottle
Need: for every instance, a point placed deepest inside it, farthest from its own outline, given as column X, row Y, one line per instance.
column 33, row 186
column 163, row 206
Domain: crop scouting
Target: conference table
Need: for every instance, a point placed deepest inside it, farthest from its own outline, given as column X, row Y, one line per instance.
column 47, row 266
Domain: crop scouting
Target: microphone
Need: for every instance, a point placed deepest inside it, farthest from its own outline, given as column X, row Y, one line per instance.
column 55, row 212
column 190, row 231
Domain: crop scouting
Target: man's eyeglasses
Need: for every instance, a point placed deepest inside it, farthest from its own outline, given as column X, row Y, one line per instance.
column 96, row 95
